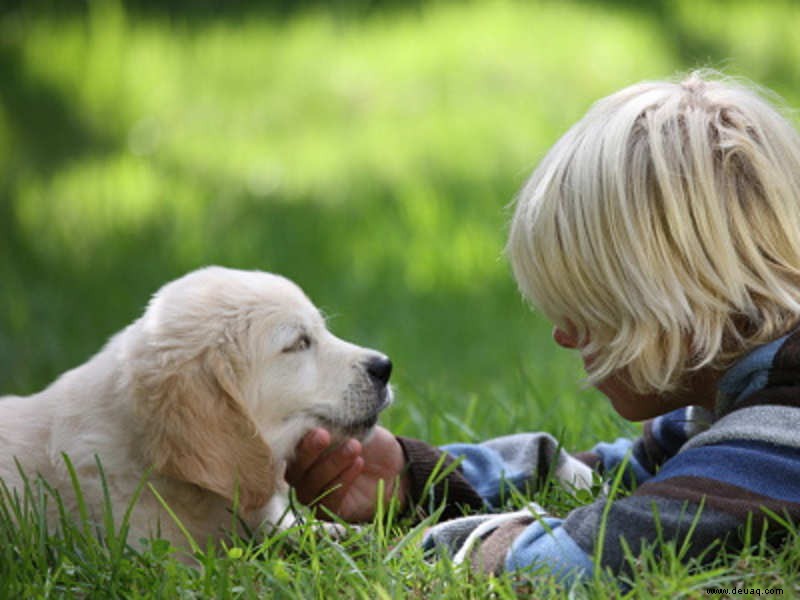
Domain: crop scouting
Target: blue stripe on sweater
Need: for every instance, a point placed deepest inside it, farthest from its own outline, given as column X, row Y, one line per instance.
column 751, row 373
column 545, row 542
column 670, row 429
column 486, row 471
column 760, row 467
column 618, row 453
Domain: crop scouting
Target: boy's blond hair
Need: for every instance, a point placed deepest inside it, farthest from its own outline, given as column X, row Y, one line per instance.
column 663, row 229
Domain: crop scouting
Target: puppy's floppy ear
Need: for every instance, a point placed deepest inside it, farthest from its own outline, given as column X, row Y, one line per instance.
column 198, row 430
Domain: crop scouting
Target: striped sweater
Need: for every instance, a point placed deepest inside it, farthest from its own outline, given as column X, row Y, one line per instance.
column 696, row 478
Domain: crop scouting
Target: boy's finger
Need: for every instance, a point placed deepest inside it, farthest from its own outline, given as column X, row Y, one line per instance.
column 309, row 450
column 328, row 471
column 333, row 501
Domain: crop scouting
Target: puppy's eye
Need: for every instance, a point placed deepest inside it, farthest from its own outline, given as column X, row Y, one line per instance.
column 303, row 342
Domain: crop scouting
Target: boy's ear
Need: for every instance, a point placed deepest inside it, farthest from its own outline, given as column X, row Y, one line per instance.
column 199, row 431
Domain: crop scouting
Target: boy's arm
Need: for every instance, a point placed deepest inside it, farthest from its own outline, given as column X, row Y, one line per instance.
column 642, row 457
column 487, row 472
column 700, row 500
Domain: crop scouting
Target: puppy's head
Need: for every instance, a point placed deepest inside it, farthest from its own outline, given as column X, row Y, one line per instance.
column 232, row 368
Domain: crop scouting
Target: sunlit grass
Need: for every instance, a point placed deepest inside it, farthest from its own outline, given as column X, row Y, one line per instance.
column 317, row 109
column 383, row 559
column 322, row 110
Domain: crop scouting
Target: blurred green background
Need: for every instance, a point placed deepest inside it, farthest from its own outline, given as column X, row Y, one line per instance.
column 368, row 150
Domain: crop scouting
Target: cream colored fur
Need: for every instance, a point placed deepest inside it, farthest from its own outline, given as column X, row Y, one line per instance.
column 211, row 389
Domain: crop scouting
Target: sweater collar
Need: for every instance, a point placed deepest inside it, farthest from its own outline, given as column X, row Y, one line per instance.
column 748, row 375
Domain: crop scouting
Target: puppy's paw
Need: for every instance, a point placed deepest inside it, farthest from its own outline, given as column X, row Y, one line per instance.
column 337, row 531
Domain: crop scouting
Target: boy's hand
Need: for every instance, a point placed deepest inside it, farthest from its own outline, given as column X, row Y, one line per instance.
column 353, row 468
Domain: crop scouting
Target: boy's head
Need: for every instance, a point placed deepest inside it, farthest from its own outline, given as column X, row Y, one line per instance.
column 663, row 229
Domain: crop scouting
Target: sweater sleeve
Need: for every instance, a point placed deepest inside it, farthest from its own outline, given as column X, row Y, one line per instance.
column 703, row 498
column 642, row 457
column 700, row 498
column 487, row 472
column 434, row 481
column 512, row 541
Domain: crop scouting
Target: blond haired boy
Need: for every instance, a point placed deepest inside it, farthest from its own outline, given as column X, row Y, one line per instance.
column 661, row 236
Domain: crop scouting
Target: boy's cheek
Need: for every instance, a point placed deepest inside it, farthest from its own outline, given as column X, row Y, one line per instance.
column 634, row 406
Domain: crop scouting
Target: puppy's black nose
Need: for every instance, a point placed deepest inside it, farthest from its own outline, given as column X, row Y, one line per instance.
column 379, row 369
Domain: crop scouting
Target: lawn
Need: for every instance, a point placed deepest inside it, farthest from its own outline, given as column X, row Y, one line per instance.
column 367, row 150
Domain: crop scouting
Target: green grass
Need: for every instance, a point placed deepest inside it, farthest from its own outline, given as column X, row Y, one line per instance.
column 368, row 154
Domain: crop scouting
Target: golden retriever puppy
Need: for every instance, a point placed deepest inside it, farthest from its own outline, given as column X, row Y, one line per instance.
column 210, row 390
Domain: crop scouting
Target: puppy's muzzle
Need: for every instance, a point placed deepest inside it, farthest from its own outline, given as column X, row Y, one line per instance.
column 366, row 397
